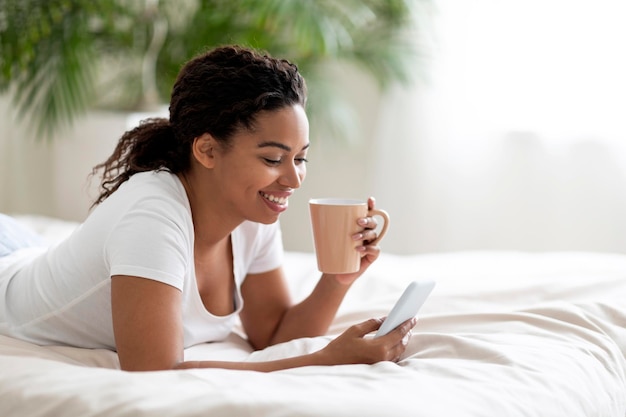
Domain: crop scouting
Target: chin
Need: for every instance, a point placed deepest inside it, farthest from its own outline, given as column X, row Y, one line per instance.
column 268, row 221
column 263, row 218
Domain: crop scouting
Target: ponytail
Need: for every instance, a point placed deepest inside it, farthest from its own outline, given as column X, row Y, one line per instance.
column 150, row 146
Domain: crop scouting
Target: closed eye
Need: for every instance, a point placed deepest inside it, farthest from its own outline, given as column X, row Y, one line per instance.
column 272, row 161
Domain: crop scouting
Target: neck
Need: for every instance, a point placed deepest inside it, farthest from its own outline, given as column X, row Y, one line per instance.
column 212, row 224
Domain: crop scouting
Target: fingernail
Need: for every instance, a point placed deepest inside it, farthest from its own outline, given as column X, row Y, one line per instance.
column 363, row 222
column 358, row 236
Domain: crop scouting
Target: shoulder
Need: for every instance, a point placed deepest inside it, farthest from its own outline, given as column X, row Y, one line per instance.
column 149, row 205
column 149, row 192
column 158, row 184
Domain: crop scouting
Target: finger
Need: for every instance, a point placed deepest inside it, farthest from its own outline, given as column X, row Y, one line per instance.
column 402, row 330
column 367, row 222
column 407, row 338
column 369, row 235
column 371, row 203
column 369, row 250
column 366, row 235
column 397, row 351
column 368, row 326
column 372, row 223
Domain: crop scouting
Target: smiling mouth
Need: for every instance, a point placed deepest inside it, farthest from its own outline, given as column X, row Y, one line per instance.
column 275, row 199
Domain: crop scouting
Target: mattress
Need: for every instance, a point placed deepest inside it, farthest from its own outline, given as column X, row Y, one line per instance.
column 504, row 333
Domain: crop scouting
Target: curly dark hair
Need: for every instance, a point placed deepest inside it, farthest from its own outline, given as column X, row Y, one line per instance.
column 218, row 92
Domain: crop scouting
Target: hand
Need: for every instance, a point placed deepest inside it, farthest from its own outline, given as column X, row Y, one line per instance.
column 369, row 253
column 351, row 347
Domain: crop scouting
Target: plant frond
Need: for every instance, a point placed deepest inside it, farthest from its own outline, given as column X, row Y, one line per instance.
column 50, row 49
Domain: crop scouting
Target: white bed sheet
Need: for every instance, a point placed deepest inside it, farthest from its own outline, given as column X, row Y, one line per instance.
column 503, row 334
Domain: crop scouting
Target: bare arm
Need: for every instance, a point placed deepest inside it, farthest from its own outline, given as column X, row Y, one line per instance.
column 269, row 318
column 348, row 348
column 148, row 332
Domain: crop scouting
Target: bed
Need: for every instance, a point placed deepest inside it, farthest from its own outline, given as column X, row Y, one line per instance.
column 503, row 334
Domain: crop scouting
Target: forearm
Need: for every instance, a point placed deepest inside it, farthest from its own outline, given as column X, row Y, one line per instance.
column 313, row 316
column 350, row 347
column 312, row 359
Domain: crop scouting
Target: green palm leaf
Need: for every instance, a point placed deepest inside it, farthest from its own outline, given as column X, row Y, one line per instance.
column 53, row 52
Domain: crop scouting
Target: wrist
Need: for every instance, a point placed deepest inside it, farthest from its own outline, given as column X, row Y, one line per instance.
column 342, row 281
column 321, row 358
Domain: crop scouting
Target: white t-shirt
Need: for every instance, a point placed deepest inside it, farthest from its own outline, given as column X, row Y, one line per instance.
column 144, row 229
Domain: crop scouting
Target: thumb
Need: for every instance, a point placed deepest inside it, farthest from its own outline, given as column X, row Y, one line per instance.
column 366, row 327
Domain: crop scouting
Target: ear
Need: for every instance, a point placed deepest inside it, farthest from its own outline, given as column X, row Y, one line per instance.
column 204, row 149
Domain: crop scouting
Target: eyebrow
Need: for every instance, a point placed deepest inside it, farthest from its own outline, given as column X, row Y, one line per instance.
column 279, row 145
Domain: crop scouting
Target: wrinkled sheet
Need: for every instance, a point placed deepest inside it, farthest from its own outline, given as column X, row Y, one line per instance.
column 503, row 334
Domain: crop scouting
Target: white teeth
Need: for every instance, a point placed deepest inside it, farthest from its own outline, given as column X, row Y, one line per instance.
column 274, row 199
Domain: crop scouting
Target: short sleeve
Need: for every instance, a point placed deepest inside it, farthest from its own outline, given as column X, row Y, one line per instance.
column 151, row 241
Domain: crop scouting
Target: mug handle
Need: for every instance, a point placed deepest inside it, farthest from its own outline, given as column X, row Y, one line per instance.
column 385, row 226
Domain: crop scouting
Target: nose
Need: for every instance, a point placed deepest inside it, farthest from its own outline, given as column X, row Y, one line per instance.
column 293, row 175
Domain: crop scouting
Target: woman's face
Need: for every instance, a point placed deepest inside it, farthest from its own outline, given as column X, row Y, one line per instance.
column 263, row 167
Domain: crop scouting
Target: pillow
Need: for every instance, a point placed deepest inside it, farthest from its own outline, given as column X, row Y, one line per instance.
column 15, row 235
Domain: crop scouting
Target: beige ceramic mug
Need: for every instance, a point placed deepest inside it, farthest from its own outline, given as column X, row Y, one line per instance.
column 334, row 221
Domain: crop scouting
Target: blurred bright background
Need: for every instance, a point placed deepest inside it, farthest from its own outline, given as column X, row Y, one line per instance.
column 511, row 135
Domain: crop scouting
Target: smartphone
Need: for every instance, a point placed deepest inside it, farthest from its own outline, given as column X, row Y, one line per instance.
column 407, row 305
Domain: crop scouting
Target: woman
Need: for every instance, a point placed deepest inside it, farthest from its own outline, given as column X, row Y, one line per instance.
column 184, row 237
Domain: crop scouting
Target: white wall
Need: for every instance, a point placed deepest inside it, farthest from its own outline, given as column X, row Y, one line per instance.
column 49, row 177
